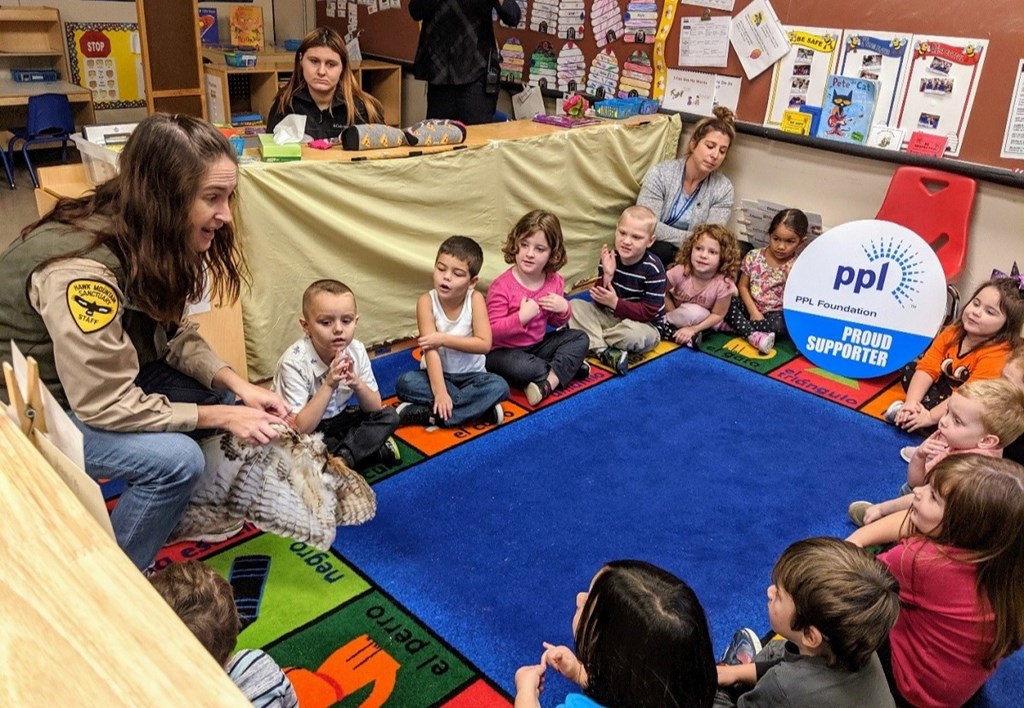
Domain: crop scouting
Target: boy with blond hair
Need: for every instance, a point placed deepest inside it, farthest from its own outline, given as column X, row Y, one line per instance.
column 833, row 604
column 320, row 373
column 452, row 386
column 981, row 417
column 628, row 300
column 205, row 603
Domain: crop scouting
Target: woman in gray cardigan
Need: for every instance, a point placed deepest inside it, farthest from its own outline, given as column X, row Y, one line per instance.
column 690, row 192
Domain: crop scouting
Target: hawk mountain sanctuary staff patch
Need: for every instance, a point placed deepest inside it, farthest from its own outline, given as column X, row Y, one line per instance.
column 93, row 304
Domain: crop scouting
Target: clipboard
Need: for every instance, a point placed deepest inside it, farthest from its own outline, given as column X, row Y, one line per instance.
column 29, row 413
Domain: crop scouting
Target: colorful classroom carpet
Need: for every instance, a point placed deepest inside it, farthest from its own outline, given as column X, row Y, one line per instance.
column 352, row 643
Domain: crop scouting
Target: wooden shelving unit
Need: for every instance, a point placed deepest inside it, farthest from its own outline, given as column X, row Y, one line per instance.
column 172, row 63
column 232, row 90
column 33, row 38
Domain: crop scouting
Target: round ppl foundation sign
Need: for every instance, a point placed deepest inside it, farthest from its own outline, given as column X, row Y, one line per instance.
column 865, row 298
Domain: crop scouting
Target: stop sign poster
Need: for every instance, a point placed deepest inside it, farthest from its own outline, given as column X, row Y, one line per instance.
column 106, row 58
column 865, row 298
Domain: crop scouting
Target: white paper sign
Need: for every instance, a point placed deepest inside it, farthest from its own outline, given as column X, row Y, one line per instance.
column 704, row 42
column 1013, row 136
column 801, row 77
column 726, row 5
column 757, row 37
column 939, row 93
column 879, row 56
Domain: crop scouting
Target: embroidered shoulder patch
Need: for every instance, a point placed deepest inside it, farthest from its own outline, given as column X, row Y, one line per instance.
column 93, row 304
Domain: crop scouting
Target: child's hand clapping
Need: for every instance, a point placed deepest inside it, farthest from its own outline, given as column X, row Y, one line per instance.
column 528, row 309
column 554, row 303
column 607, row 263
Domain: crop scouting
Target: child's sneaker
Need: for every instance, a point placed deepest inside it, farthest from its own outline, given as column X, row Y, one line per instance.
column 495, row 416
column 907, row 452
column 583, row 372
column 743, row 648
column 537, row 392
column 389, row 452
column 891, row 411
column 615, row 359
column 856, row 510
column 762, row 341
column 415, row 414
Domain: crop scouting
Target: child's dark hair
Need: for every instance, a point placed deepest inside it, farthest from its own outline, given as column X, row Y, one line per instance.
column 465, row 249
column 1011, row 304
column 721, row 121
column 729, row 254
column 981, row 524
column 205, row 603
column 327, row 285
column 532, row 222
column 793, row 219
column 843, row 591
column 643, row 640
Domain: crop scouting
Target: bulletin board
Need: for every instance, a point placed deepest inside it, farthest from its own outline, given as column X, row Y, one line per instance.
column 391, row 33
column 106, row 59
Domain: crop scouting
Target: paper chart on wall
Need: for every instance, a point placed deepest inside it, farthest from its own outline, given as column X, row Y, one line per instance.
column 604, row 74
column 572, row 68
column 641, row 22
column 689, row 91
column 878, row 56
column 704, row 42
column 726, row 5
column 757, row 37
column 637, row 75
column 1013, row 136
column 800, row 77
column 513, row 60
column 941, row 84
column 699, row 92
column 543, row 67
column 606, row 21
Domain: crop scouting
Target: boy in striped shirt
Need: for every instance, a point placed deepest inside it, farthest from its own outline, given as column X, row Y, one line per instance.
column 628, row 300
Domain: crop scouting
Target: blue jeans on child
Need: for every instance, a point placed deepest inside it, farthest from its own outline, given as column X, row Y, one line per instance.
column 159, row 469
column 472, row 394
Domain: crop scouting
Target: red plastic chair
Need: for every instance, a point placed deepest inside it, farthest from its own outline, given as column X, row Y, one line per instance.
column 935, row 205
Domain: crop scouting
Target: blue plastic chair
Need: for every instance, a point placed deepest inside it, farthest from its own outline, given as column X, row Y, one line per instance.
column 49, row 119
column 7, row 168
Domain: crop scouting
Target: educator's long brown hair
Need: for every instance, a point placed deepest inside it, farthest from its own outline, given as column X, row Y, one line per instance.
column 147, row 226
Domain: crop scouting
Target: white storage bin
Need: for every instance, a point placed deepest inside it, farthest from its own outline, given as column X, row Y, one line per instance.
column 100, row 161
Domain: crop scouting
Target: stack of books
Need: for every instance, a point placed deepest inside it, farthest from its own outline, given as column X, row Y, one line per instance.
column 248, row 123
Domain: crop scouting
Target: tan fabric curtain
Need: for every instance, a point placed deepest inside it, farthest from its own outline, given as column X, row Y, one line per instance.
column 376, row 225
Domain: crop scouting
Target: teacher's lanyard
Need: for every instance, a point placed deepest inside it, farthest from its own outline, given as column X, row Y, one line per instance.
column 680, row 206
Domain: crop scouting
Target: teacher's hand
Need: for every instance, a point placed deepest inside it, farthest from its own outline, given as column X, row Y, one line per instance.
column 264, row 400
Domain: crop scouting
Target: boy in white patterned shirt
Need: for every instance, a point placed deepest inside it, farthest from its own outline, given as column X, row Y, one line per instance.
column 319, row 373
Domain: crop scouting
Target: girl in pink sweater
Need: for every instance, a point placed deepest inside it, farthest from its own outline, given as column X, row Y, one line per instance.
column 527, row 299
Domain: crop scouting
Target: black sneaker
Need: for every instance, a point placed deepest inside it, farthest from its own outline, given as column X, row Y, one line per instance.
column 389, row 452
column 583, row 372
column 615, row 359
column 495, row 416
column 414, row 414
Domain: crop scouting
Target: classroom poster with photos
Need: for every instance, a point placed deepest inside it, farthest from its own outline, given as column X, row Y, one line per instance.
column 878, row 56
column 800, row 77
column 106, row 58
column 940, row 88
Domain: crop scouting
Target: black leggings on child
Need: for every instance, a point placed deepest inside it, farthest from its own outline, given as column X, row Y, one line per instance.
column 740, row 322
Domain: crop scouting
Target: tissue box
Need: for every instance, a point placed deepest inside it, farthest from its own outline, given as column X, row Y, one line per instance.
column 272, row 152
